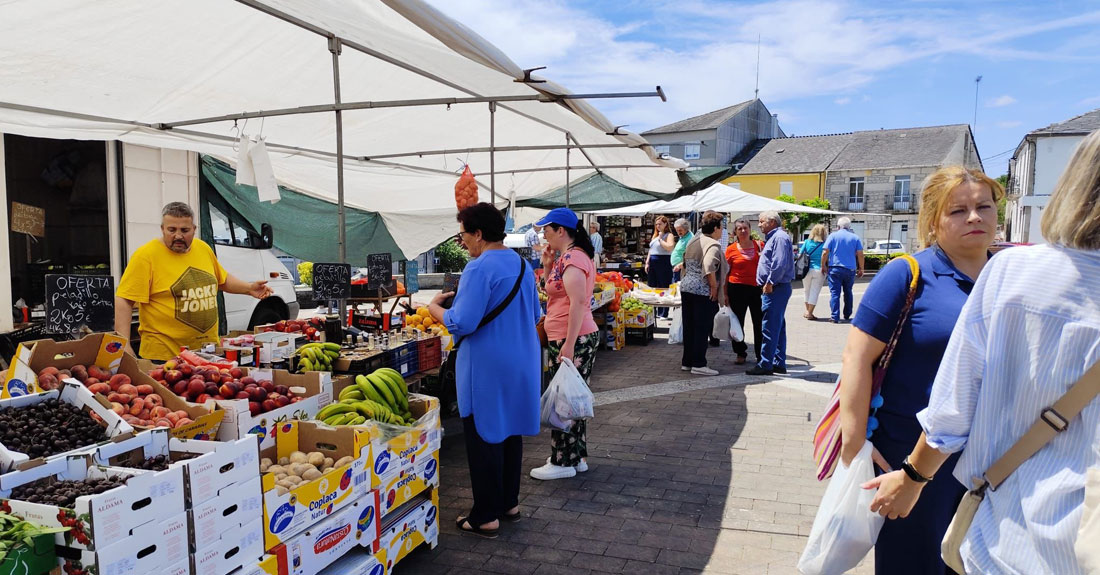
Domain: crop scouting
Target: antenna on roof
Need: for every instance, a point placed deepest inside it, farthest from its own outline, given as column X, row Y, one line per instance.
column 977, row 81
column 756, row 92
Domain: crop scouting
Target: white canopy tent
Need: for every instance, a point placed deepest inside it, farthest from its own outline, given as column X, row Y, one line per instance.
column 373, row 104
column 718, row 197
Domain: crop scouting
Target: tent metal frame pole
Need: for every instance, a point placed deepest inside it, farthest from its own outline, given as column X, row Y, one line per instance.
column 569, row 136
column 559, row 168
column 498, row 149
column 567, row 169
column 334, row 47
column 492, row 153
column 369, row 105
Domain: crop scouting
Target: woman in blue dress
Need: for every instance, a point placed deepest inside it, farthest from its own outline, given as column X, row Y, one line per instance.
column 497, row 373
column 958, row 218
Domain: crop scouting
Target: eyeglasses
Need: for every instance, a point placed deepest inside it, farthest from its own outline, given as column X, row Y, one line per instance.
column 458, row 236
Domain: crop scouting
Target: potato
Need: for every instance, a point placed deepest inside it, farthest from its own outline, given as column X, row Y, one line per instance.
column 284, row 461
column 281, row 490
column 276, row 469
column 328, row 463
column 316, row 459
column 279, row 477
column 286, row 483
column 311, row 474
column 293, row 479
column 344, row 461
column 298, row 457
column 264, row 464
column 300, row 469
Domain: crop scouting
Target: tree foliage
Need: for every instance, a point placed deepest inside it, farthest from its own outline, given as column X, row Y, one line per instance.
column 452, row 258
column 1003, row 179
column 797, row 221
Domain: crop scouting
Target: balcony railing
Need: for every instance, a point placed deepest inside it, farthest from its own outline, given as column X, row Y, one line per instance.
column 901, row 206
column 855, row 206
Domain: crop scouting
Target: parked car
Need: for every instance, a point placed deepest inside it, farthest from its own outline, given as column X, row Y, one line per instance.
column 998, row 246
column 884, row 248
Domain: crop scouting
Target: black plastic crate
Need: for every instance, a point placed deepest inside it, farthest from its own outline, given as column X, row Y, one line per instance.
column 639, row 335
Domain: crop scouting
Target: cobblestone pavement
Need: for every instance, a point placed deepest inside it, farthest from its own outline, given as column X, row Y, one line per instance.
column 687, row 474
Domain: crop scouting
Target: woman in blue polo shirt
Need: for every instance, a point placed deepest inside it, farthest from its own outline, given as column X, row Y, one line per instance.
column 958, row 217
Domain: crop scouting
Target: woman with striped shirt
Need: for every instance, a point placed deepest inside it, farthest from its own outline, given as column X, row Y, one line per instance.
column 1029, row 331
column 958, row 216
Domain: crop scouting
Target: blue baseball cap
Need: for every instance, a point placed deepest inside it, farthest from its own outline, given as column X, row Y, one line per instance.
column 562, row 216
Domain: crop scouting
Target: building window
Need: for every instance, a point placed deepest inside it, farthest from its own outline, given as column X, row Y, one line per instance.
column 855, row 194
column 661, row 150
column 902, row 195
column 691, row 151
column 786, row 188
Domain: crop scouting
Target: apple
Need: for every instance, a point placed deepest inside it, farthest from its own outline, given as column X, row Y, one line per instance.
column 236, row 373
column 282, row 400
column 280, row 325
column 173, row 375
column 248, row 379
column 195, row 387
column 229, row 390
column 187, row 369
column 268, row 386
column 254, row 408
column 269, row 405
column 242, row 394
column 258, row 394
column 170, row 364
column 157, row 373
column 181, row 388
column 282, row 390
column 211, row 389
column 213, row 377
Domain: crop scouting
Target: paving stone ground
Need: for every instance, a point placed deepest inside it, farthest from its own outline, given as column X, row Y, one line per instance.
column 687, row 474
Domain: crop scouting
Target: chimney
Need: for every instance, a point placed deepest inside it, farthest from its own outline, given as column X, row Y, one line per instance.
column 775, row 125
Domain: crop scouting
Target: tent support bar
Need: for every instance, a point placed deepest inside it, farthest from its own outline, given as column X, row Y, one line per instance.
column 567, row 169
column 334, row 47
column 559, row 168
column 365, row 105
column 497, row 149
column 492, row 153
column 583, row 151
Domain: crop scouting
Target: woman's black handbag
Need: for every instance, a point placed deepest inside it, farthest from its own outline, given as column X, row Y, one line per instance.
column 447, row 371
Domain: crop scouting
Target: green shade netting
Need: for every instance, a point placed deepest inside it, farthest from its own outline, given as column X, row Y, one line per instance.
column 303, row 226
column 596, row 191
column 695, row 179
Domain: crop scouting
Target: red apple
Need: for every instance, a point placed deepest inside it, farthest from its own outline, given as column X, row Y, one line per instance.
column 181, row 388
column 242, row 394
column 195, row 387
column 157, row 373
column 269, row 405
column 280, row 325
column 282, row 401
column 211, row 389
column 281, row 389
column 254, row 408
column 229, row 390
column 268, row 386
column 213, row 377
column 173, row 375
column 258, row 394
column 236, row 372
column 248, row 379
column 186, row 368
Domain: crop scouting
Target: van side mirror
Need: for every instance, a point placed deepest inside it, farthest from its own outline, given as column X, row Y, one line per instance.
column 267, row 236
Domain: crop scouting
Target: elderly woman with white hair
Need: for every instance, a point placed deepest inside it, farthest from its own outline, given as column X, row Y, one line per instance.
column 683, row 230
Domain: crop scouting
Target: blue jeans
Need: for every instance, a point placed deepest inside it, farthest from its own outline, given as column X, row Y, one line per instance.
column 773, row 353
column 840, row 279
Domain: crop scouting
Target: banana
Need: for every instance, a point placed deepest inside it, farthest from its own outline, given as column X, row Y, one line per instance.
column 304, row 364
column 393, row 374
column 352, row 392
column 365, row 409
column 333, row 409
column 364, row 385
column 332, row 354
column 329, row 345
column 399, row 393
column 337, row 419
column 384, row 390
column 375, row 383
column 359, row 420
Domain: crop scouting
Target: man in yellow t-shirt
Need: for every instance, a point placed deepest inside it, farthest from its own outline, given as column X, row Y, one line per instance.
column 175, row 281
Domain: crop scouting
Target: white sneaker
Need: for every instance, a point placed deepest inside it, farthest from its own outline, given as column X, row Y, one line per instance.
column 685, row 368
column 581, row 467
column 703, row 371
column 551, row 471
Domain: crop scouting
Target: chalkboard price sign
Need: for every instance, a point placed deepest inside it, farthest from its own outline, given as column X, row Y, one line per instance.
column 379, row 271
column 73, row 301
column 412, row 276
column 331, row 281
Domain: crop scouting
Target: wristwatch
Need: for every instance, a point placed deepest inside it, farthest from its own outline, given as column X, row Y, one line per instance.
column 913, row 473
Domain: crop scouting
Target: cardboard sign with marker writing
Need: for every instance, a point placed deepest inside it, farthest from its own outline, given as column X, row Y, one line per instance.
column 331, row 281
column 412, row 276
column 379, row 270
column 73, row 301
column 28, row 219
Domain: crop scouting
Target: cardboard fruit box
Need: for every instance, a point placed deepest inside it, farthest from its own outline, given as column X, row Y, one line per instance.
column 237, row 548
column 288, row 513
column 104, row 350
column 401, row 488
column 414, row 524
column 152, row 548
column 206, row 419
column 321, row 545
column 104, row 518
column 74, row 393
column 239, row 421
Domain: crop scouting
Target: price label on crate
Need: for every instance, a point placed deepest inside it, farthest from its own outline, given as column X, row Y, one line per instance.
column 379, row 271
column 331, row 281
column 73, row 301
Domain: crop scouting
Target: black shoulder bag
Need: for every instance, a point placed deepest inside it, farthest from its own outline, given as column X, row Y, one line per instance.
column 804, row 268
column 447, row 372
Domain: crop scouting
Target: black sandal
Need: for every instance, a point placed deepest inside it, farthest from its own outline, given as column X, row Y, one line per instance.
column 464, row 525
column 512, row 517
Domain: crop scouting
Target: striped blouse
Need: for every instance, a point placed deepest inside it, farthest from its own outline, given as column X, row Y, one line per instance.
column 1029, row 331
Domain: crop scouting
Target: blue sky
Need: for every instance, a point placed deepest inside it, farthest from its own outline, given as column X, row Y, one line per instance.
column 825, row 66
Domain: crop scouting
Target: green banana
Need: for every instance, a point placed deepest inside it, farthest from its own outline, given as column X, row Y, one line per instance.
column 304, row 364
column 333, row 409
column 369, row 392
column 365, row 409
column 338, row 419
column 359, row 420
column 329, row 345
column 384, row 390
column 332, row 354
column 352, row 392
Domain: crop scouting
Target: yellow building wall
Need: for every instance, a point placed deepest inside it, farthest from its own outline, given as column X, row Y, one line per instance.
column 805, row 186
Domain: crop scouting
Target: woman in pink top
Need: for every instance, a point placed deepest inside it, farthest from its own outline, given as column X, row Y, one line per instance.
column 570, row 330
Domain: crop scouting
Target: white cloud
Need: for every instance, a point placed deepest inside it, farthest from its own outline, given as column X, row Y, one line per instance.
column 1009, row 124
column 704, row 52
column 842, row 101
column 1000, row 101
column 1089, row 101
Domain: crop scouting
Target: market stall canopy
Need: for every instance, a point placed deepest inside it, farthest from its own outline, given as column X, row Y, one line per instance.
column 166, row 73
column 718, row 197
column 596, row 191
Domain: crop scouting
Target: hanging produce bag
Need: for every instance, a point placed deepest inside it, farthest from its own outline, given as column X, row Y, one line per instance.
column 465, row 190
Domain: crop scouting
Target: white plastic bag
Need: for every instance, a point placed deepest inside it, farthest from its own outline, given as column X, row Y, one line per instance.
column 736, row 333
column 844, row 529
column 566, row 399
column 676, row 332
column 722, row 322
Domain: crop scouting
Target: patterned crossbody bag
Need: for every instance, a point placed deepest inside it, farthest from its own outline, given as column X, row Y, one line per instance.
column 827, row 440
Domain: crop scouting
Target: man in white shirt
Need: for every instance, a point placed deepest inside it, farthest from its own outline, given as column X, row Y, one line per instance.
column 597, row 242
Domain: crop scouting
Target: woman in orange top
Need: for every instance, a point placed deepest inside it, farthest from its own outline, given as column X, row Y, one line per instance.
column 742, row 293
